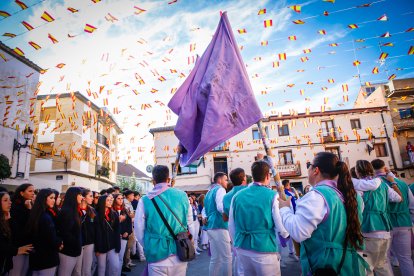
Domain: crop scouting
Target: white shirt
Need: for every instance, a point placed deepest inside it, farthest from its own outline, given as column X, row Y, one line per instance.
column 221, row 192
column 140, row 224
column 279, row 229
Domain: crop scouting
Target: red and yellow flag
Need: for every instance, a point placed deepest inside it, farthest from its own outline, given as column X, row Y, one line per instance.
column 89, row 28
column 34, row 45
column 325, row 13
column 411, row 50
column 21, row 4
column 387, row 34
column 282, row 56
column 242, row 31
column 139, row 10
column 344, row 87
column 9, row 35
column 72, row 10
column 410, row 30
column 334, row 44
column 292, row 37
column 393, row 76
column 383, row 18
column 60, row 65
column 264, row 43
column 375, row 70
column 27, row 25
column 299, row 22
column 275, row 64
column 296, row 8
column 47, row 17
column 4, row 14
column 389, row 44
column 268, row 23
column 262, row 11
column 192, row 47
column 52, row 38
column 307, row 51
column 353, row 26
column 383, row 56
column 304, row 59
column 331, row 80
column 18, row 51
column 322, row 32
column 356, row 63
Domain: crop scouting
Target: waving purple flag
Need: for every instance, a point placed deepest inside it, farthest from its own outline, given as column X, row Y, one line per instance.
column 216, row 101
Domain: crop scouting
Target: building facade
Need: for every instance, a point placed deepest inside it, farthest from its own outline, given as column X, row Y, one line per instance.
column 398, row 96
column 131, row 177
column 19, row 81
column 76, row 143
column 353, row 134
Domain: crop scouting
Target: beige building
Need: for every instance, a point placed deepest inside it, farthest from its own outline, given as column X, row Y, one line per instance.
column 19, row 81
column 398, row 96
column 76, row 143
column 294, row 140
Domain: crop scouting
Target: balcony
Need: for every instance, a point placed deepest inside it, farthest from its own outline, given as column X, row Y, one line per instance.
column 289, row 170
column 103, row 140
column 331, row 138
column 404, row 124
column 222, row 147
column 102, row 170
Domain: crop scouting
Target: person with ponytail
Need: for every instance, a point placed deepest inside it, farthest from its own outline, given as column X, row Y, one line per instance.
column 41, row 227
column 22, row 203
column 125, row 227
column 69, row 229
column 84, row 263
column 7, row 249
column 327, row 220
column 107, row 237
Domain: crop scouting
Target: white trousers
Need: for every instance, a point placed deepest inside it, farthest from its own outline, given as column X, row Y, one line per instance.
column 260, row 264
column 220, row 248
column 67, row 264
column 84, row 263
column 401, row 249
column 237, row 264
column 45, row 272
column 108, row 263
column 204, row 237
column 194, row 228
column 171, row 266
column 375, row 254
column 121, row 254
column 20, row 265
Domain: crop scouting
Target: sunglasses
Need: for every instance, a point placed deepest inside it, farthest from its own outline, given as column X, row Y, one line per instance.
column 308, row 165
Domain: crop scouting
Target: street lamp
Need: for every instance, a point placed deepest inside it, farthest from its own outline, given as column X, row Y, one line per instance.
column 27, row 134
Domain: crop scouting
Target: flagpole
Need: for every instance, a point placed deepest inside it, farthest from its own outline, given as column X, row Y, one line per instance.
column 176, row 164
column 276, row 176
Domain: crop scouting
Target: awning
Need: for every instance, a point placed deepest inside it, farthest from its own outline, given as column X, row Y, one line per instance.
column 192, row 188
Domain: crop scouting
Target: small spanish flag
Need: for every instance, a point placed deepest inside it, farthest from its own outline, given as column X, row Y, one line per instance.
column 268, row 23
column 262, row 11
column 173, row 90
column 411, row 50
column 9, row 35
column 409, row 30
column 192, row 47
column 307, row 51
column 89, row 28
column 344, row 87
column 96, row 1
column 346, row 98
column 21, row 4
column 334, row 44
column 296, row 8
column 325, row 13
column 393, row 76
column 309, row 82
column 389, row 44
column 304, row 59
column 324, row 88
column 353, row 26
column 72, row 10
column 302, row 91
column 387, row 34
column 18, row 51
column 153, row 90
column 47, row 17
column 264, row 43
column 322, row 32
column 375, row 70
column 292, row 37
column 282, row 56
column 331, row 80
column 27, row 25
column 139, row 10
column 383, row 56
column 60, row 65
column 383, row 18
column 161, row 79
column 356, row 63
column 299, row 22
column 242, row 31
column 4, row 14
column 275, row 64
column 52, row 38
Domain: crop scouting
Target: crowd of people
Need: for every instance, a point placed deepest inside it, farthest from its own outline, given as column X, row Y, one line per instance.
column 79, row 232
column 356, row 221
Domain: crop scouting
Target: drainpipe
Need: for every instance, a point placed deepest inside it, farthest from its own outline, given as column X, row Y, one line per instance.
column 389, row 141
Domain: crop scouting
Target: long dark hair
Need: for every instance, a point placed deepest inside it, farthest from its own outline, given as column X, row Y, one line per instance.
column 4, row 224
column 70, row 205
column 55, row 207
column 330, row 166
column 39, row 207
column 90, row 211
column 101, row 210
column 17, row 197
column 364, row 169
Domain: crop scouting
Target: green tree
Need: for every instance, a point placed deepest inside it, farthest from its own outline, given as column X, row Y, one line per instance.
column 5, row 169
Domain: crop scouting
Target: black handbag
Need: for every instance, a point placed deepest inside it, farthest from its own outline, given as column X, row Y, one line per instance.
column 183, row 243
column 327, row 271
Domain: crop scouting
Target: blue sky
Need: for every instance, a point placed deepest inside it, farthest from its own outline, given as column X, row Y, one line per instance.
column 139, row 46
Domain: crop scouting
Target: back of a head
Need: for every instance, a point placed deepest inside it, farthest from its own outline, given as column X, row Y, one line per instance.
column 326, row 162
column 260, row 169
column 285, row 182
column 377, row 164
column 237, row 176
column 160, row 174
column 364, row 168
column 353, row 172
column 110, row 190
column 217, row 176
column 71, row 202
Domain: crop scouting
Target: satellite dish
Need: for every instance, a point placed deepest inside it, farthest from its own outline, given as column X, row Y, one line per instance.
column 149, row 168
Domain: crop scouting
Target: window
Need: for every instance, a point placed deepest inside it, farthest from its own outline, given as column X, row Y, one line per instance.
column 355, row 124
column 222, row 147
column 326, row 127
column 256, row 133
column 285, row 157
column 85, row 153
column 369, row 90
column 45, row 149
column 87, row 121
column 334, row 150
column 220, row 164
column 48, row 114
column 283, row 130
column 380, row 150
column 190, row 169
column 406, row 113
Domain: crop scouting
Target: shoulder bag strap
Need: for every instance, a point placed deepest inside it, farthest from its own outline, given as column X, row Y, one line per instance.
column 179, row 221
column 163, row 219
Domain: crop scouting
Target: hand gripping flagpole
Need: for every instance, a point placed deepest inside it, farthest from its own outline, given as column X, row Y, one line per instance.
column 269, row 153
column 176, row 164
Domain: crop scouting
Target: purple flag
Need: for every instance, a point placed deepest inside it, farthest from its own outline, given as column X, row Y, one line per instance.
column 216, row 101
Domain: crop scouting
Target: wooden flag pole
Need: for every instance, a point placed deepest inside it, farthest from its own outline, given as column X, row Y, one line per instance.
column 269, row 153
column 176, row 164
